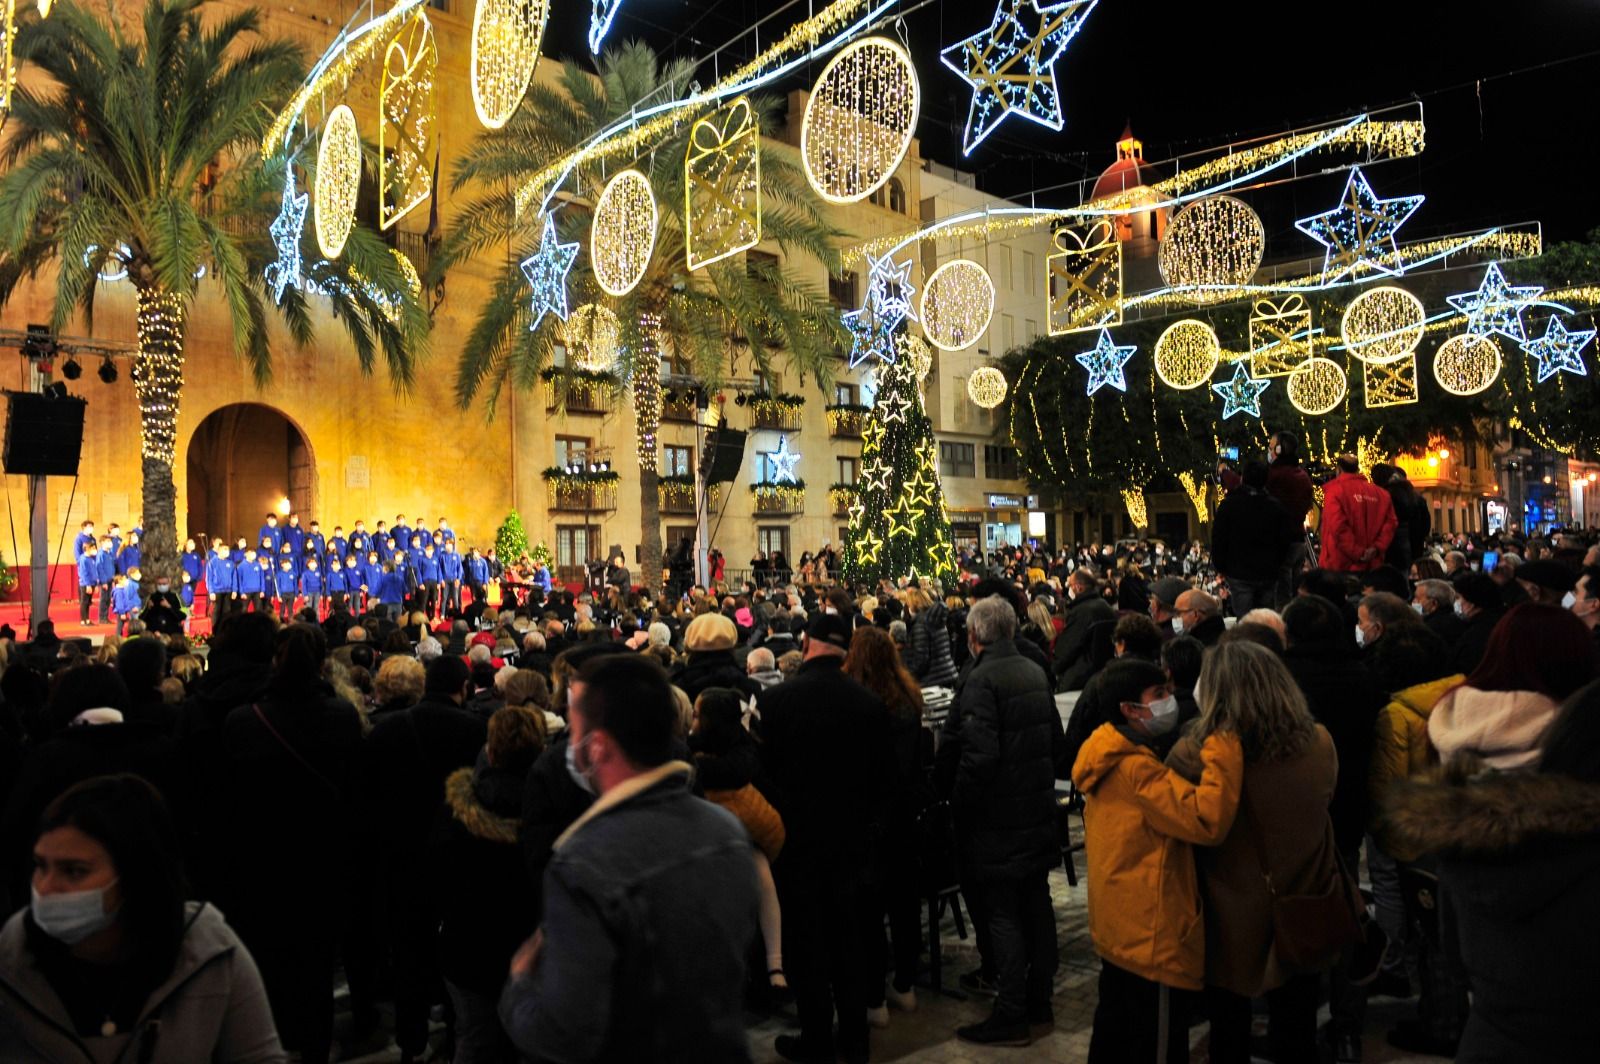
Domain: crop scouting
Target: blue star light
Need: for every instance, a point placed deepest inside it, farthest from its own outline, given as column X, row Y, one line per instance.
column 783, row 462
column 546, row 271
column 1559, row 351
column 1360, row 231
column 1105, row 363
column 285, row 231
column 889, row 291
column 1011, row 65
column 868, row 338
column 1496, row 307
column 601, row 12
column 1242, row 394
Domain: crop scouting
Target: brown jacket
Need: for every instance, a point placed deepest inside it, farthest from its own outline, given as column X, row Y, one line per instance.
column 1287, row 803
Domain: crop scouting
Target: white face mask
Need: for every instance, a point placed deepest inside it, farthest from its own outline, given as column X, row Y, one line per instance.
column 1460, row 608
column 74, row 916
column 1568, row 600
column 1361, row 636
column 1420, row 611
column 1163, row 715
column 579, row 776
column 1177, row 624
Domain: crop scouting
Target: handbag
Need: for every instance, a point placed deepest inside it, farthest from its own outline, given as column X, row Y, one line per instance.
column 1309, row 931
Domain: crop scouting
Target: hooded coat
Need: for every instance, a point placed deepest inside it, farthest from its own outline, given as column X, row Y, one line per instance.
column 1401, row 749
column 1141, row 821
column 929, row 659
column 1519, row 869
column 1501, row 727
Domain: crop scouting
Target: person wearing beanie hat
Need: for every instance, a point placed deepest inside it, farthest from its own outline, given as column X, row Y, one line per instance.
column 1548, row 582
column 1480, row 605
column 1164, row 602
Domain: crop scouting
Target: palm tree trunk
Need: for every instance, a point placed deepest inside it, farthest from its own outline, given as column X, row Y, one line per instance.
column 157, row 381
column 647, row 427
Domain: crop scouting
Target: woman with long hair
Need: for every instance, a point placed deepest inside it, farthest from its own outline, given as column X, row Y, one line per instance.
column 874, row 663
column 1282, row 831
column 111, row 961
column 930, row 661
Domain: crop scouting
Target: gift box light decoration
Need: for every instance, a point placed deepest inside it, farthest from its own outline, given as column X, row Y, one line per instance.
column 1317, row 386
column 860, row 119
column 592, row 334
column 338, row 181
column 1559, row 350
column 1011, row 65
column 1390, row 383
column 407, row 121
column 1211, row 247
column 1186, row 354
column 623, row 233
column 1083, row 277
column 957, row 303
column 1280, row 336
column 1383, row 324
column 722, row 185
column 505, row 48
column 1467, row 364
column 1359, row 232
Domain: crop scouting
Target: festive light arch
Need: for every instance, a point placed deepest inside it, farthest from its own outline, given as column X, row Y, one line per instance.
column 957, row 303
column 624, row 232
column 338, row 181
column 860, row 119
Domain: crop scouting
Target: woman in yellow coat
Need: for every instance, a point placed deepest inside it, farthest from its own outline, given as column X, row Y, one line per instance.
column 1141, row 820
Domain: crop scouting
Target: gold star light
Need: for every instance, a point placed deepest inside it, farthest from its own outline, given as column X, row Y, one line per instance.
column 903, row 518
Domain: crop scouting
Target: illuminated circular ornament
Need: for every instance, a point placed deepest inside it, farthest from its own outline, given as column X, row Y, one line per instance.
column 859, row 119
column 624, row 232
column 1215, row 243
column 1383, row 324
column 987, row 387
column 1466, row 364
column 1317, row 386
column 1186, row 354
column 505, row 49
column 338, row 180
column 918, row 355
column 957, row 303
column 592, row 334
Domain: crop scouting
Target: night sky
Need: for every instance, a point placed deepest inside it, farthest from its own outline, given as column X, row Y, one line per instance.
column 1501, row 150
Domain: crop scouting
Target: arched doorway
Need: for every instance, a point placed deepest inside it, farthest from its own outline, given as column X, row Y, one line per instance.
column 244, row 459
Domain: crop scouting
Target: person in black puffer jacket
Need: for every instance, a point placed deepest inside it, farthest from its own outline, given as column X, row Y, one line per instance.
column 929, row 660
column 997, row 763
column 710, row 639
column 487, row 902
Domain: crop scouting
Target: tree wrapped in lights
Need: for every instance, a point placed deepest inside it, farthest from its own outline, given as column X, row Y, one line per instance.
column 899, row 525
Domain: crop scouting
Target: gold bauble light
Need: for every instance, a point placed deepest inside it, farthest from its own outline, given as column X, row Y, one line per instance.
column 859, row 119
column 987, row 387
column 1186, row 354
column 592, row 334
column 624, row 232
column 1383, row 324
column 1467, row 364
column 338, row 180
column 505, row 49
column 918, row 355
column 1216, row 243
column 957, row 303
column 1317, row 386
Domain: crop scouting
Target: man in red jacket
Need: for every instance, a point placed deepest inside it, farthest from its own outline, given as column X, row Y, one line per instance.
column 1357, row 520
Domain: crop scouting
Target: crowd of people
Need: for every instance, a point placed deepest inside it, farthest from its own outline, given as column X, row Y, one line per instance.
column 601, row 824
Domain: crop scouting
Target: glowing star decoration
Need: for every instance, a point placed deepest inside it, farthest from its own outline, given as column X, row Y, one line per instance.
column 1466, row 364
column 546, row 271
column 406, row 121
column 783, row 462
column 1105, row 363
column 1496, row 307
column 859, row 119
column 1084, row 279
column 286, row 230
column 889, row 290
column 1359, row 233
column 894, row 408
column 1011, row 65
column 868, row 338
column 722, row 185
column 1560, row 350
column 1242, row 394
column 875, row 475
column 957, row 303
column 869, row 545
column 903, row 517
column 505, row 48
column 601, row 14
column 338, row 181
column 623, row 233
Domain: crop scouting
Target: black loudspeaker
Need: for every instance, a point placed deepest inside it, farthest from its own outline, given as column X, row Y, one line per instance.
column 724, row 454
column 44, row 436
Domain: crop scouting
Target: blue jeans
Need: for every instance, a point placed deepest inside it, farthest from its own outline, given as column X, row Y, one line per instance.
column 1247, row 595
column 479, row 1037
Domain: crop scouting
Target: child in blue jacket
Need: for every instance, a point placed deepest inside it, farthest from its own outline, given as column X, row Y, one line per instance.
column 250, row 584
column 222, row 583
column 286, row 588
column 88, row 579
column 125, row 598
column 106, row 568
column 312, row 584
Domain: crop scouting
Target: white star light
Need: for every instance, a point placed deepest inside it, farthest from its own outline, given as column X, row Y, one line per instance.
column 889, row 291
column 1496, row 307
column 1559, row 351
column 601, row 14
column 285, row 231
column 546, row 271
column 783, row 462
column 1105, row 363
column 1242, row 394
column 1360, row 230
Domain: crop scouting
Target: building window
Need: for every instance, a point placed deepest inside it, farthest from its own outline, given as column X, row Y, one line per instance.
column 673, row 536
column 677, row 461
column 571, row 450
column 760, row 265
column 846, row 395
column 1000, row 462
column 897, row 196
column 1030, row 277
column 849, row 469
column 773, row 539
column 1030, row 329
column 957, row 459
column 1008, row 332
column 767, row 383
column 576, row 544
column 842, row 290
column 1003, row 261
column 558, row 355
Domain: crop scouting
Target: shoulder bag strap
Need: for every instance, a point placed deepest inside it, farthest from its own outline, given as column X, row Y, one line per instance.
column 307, row 765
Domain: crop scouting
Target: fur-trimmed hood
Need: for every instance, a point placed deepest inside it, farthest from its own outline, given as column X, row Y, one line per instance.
column 461, row 795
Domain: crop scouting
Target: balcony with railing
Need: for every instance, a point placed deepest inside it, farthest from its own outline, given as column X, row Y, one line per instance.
column 579, row 391
column 677, row 494
column 779, row 500
column 841, row 497
column 583, row 492
column 780, row 413
column 846, row 420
